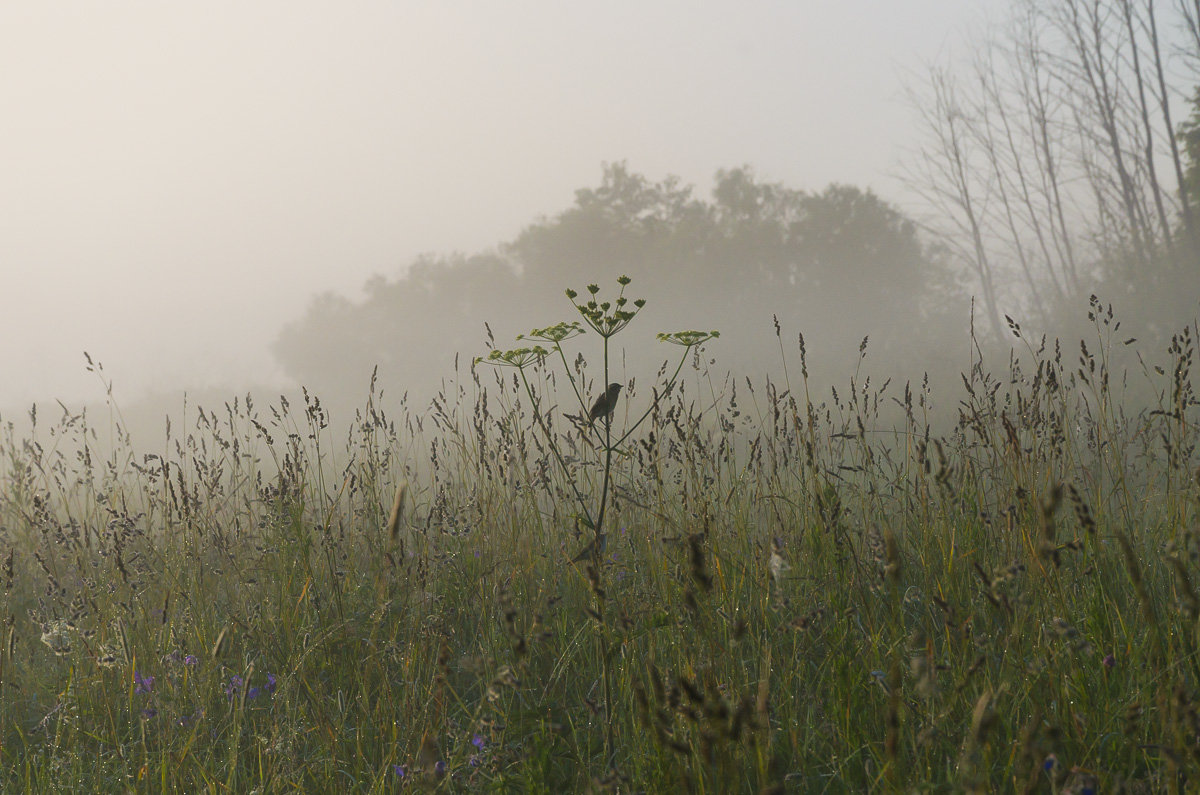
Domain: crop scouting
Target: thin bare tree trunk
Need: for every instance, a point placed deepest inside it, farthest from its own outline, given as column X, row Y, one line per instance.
column 1151, row 170
column 1185, row 207
column 1038, row 105
column 947, row 185
column 986, row 135
column 1087, row 37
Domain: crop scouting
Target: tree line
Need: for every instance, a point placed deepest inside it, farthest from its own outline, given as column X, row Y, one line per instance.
column 838, row 265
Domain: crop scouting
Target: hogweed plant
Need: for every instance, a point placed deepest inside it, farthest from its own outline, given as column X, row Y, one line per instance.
column 607, row 318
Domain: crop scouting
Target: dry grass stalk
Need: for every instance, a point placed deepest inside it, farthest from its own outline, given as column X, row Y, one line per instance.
column 393, row 523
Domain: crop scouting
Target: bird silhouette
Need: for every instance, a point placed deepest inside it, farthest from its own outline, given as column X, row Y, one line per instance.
column 604, row 405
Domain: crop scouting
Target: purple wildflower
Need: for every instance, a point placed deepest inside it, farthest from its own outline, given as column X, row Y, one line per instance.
column 234, row 686
column 190, row 659
column 440, row 768
column 270, row 683
column 1110, row 661
column 478, row 741
column 400, row 770
column 143, row 684
column 148, row 713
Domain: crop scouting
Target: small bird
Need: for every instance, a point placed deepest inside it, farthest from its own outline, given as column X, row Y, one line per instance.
column 604, row 405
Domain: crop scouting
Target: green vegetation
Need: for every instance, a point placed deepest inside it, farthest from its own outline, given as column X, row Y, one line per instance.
column 796, row 594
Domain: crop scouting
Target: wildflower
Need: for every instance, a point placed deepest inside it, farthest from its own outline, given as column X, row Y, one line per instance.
column 439, row 768
column 143, row 684
column 148, row 713
column 234, row 686
column 56, row 635
column 1110, row 661
column 1051, row 764
column 777, row 564
column 400, row 770
column 270, row 683
column 478, row 741
column 881, row 678
column 189, row 659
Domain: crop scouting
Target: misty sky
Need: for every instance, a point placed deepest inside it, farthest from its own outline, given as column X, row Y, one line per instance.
column 178, row 178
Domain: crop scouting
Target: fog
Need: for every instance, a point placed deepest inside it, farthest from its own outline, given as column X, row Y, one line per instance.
column 180, row 179
column 179, row 182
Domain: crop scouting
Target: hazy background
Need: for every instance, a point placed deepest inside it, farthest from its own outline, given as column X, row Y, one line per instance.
column 177, row 180
column 225, row 195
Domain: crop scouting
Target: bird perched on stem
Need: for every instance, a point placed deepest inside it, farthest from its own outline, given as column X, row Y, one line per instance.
column 604, row 405
column 601, row 409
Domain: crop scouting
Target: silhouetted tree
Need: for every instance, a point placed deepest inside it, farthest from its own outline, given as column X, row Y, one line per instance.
column 1052, row 170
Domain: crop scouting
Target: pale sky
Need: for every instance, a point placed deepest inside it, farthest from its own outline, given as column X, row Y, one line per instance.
column 177, row 179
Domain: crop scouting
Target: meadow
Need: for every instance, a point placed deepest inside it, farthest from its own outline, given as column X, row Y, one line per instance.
column 867, row 589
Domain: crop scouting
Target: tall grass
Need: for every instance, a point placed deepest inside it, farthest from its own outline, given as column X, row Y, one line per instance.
column 798, row 593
